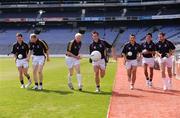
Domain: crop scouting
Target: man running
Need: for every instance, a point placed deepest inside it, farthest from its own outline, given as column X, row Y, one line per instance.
column 100, row 66
column 39, row 50
column 20, row 50
column 165, row 50
column 148, row 51
column 73, row 60
column 131, row 53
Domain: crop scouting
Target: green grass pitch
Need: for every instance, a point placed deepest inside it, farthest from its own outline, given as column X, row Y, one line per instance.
column 56, row 100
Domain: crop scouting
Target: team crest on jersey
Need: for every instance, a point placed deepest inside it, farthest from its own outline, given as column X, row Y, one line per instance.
column 100, row 45
column 17, row 48
column 165, row 45
column 159, row 46
column 94, row 47
column 144, row 45
column 129, row 48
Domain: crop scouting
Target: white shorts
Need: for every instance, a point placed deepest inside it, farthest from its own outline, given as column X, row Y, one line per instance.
column 101, row 63
column 71, row 61
column 168, row 61
column 148, row 61
column 130, row 63
column 38, row 60
column 22, row 63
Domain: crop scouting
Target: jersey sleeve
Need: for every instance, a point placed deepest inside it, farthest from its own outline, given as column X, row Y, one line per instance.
column 90, row 48
column 69, row 46
column 27, row 48
column 142, row 46
column 30, row 46
column 107, row 44
column 80, row 44
column 139, row 48
column 45, row 46
column 171, row 45
column 90, row 51
column 13, row 51
column 124, row 51
column 156, row 47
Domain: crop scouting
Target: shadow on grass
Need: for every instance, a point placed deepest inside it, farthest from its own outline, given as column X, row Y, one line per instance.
column 52, row 91
column 95, row 93
column 116, row 94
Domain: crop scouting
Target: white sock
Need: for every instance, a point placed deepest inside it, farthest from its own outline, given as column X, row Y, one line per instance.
column 165, row 81
column 169, row 82
column 69, row 78
column 79, row 79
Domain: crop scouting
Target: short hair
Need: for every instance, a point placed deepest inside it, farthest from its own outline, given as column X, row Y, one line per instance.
column 95, row 32
column 78, row 34
column 133, row 35
column 33, row 35
column 19, row 35
column 162, row 33
column 150, row 34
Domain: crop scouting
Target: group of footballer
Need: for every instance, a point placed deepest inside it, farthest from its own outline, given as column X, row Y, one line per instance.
column 132, row 54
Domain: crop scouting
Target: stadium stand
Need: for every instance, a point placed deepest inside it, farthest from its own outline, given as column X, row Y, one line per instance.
column 58, row 37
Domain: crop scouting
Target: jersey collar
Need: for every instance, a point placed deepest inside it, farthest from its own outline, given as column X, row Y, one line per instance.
column 19, row 43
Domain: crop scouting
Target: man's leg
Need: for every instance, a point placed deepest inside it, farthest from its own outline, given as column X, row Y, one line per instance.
column 40, row 72
column 169, row 81
column 70, row 74
column 146, row 73
column 35, row 71
column 79, row 76
column 129, row 74
column 134, row 68
column 163, row 72
column 169, row 70
column 102, row 72
column 129, row 67
column 70, row 65
column 151, row 76
column 97, row 79
column 20, row 69
column 25, row 70
column 102, row 68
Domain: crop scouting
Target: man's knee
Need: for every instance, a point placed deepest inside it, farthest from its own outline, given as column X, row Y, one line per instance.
column 145, row 71
column 163, row 71
column 40, row 71
column 34, row 71
column 102, row 75
column 96, row 74
column 170, row 74
column 78, row 72
column 20, row 72
column 134, row 70
column 70, row 74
